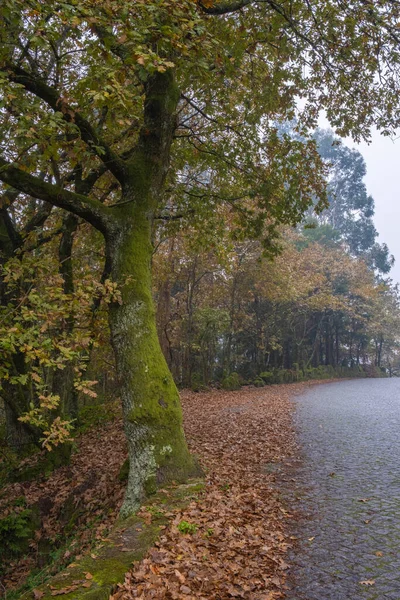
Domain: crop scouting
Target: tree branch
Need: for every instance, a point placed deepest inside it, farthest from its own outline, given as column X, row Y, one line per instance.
column 51, row 96
column 9, row 239
column 38, row 218
column 223, row 8
column 42, row 238
column 110, row 41
column 91, row 210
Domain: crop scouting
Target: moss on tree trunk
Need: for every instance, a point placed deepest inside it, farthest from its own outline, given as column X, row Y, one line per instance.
column 152, row 413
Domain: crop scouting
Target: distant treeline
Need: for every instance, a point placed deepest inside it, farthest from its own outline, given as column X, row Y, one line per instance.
column 314, row 306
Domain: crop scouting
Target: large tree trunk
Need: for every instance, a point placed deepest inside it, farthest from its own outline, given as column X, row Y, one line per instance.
column 152, row 414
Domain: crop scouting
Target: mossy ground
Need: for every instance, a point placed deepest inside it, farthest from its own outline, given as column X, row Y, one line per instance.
column 95, row 575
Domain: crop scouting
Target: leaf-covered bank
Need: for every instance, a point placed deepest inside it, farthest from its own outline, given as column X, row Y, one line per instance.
column 232, row 540
column 74, row 506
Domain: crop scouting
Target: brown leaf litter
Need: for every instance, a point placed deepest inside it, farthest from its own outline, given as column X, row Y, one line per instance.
column 231, row 542
column 240, row 534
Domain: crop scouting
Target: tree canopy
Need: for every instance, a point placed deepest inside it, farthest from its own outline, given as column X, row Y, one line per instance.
column 350, row 208
column 129, row 113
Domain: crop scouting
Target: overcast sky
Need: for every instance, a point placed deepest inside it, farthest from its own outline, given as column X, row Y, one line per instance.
column 382, row 157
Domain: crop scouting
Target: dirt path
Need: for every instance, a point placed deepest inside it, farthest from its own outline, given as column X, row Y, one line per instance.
column 240, row 534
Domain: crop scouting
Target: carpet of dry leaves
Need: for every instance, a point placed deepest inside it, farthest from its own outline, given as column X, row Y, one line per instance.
column 88, row 489
column 242, row 535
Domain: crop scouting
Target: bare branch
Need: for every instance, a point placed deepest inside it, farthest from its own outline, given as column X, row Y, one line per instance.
column 38, row 218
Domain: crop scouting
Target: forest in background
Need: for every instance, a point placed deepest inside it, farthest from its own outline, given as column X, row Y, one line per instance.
column 324, row 305
column 228, row 311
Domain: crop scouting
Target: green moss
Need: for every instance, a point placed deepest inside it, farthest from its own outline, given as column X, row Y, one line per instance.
column 190, row 489
column 153, row 418
column 128, row 542
column 124, row 471
column 150, row 485
column 231, row 382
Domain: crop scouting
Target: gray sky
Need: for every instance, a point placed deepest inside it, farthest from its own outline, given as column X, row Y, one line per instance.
column 382, row 157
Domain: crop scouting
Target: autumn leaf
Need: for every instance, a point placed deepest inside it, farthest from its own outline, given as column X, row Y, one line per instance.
column 179, row 575
column 230, row 505
column 65, row 590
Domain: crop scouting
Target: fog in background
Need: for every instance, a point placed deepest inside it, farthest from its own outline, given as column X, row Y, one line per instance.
column 382, row 157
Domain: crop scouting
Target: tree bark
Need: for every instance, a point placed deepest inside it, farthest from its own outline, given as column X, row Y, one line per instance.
column 163, row 312
column 16, row 398
column 63, row 380
column 152, row 414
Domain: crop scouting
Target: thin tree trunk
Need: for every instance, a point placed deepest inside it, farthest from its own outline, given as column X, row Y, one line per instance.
column 380, row 351
column 63, row 380
column 228, row 351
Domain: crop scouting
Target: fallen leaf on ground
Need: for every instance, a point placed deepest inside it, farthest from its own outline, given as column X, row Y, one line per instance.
column 242, row 533
column 241, row 538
